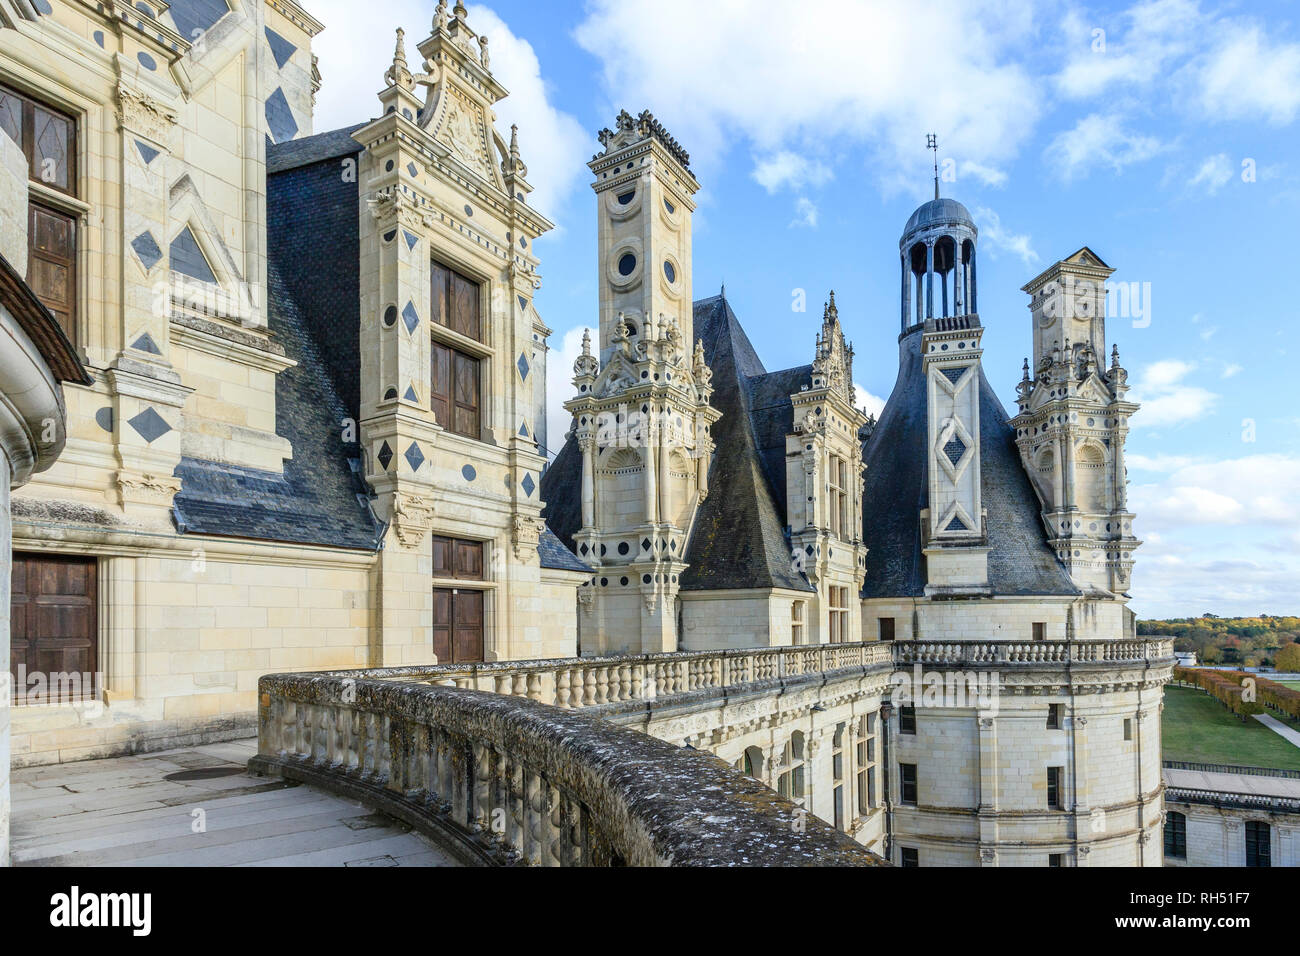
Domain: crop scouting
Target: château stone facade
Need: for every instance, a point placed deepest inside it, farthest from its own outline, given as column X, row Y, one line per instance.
column 317, row 442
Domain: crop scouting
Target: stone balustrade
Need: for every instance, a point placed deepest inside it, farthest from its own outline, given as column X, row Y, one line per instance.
column 1003, row 653
column 596, row 681
column 499, row 779
column 1242, row 801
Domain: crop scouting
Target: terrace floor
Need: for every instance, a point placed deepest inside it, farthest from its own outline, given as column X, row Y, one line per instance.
column 196, row 807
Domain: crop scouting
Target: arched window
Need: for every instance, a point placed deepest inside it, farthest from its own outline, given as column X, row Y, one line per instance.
column 791, row 782
column 751, row 762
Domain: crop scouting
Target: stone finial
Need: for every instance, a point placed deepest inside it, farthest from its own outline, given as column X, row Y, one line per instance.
column 1114, row 355
column 459, row 11
column 586, row 341
column 1025, row 373
column 483, row 51
column 440, row 16
column 399, row 74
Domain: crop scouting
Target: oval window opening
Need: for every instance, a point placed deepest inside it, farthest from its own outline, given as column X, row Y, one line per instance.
column 627, row 265
column 670, row 272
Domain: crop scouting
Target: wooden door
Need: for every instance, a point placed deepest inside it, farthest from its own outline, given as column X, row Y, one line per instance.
column 54, row 624
column 458, row 626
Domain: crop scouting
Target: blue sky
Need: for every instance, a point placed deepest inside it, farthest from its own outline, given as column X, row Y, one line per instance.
column 1163, row 135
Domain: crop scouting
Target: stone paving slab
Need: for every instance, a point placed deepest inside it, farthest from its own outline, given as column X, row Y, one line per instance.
column 123, row 812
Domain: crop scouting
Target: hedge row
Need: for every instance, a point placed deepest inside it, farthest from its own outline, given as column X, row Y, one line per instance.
column 1224, row 686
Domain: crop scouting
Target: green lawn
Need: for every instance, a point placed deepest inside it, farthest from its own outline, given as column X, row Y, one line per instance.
column 1293, row 684
column 1198, row 729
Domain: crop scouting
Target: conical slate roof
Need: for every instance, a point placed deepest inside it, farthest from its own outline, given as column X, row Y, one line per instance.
column 897, row 488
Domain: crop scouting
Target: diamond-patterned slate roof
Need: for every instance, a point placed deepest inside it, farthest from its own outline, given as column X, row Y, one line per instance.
column 954, row 450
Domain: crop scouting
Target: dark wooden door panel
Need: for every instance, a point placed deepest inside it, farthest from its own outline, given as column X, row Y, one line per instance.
column 442, row 625
column 54, row 614
column 469, row 626
column 458, row 626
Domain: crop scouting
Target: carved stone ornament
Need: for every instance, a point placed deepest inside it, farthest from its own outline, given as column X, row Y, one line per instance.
column 147, row 489
column 412, row 519
column 524, row 535
column 139, row 112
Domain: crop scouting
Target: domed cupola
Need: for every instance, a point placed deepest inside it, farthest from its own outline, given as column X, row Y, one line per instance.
column 938, row 248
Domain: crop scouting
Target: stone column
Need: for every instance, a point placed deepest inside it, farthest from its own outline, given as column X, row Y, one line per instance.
column 906, row 295
column 651, row 495
column 588, row 483
column 117, row 608
column 929, row 279
column 1058, row 483
column 665, row 479
column 988, row 787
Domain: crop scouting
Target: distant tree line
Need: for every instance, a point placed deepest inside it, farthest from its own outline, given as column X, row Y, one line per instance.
column 1244, row 641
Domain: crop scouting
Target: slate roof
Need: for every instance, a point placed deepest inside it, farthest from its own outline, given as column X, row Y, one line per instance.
column 334, row 144
column 320, row 498
column 739, row 539
column 555, row 555
column 896, row 489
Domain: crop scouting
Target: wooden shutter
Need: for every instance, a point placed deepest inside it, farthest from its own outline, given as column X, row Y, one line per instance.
column 469, row 627
column 51, row 264
column 465, row 306
column 441, row 307
column 466, row 395
column 442, row 558
column 54, row 615
column 469, row 560
column 440, row 387
column 442, row 625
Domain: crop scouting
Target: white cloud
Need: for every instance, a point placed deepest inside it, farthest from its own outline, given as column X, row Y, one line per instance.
column 1214, row 173
column 357, row 47
column 787, row 169
column 1219, row 534
column 988, row 175
column 841, row 71
column 873, row 404
column 997, row 238
column 1252, row 490
column 1230, row 370
column 1166, row 398
column 1098, row 140
column 1154, row 34
column 805, row 214
column 1248, row 77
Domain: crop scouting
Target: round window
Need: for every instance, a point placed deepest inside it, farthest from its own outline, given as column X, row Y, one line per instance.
column 670, row 272
column 627, row 265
